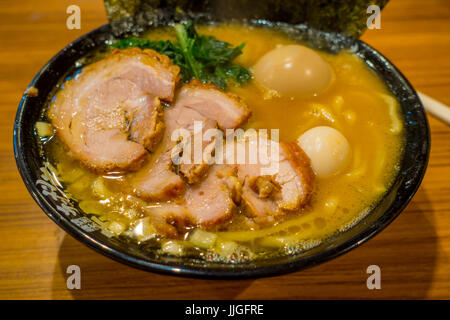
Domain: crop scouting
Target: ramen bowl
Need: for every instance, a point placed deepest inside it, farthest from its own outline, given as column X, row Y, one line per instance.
column 67, row 214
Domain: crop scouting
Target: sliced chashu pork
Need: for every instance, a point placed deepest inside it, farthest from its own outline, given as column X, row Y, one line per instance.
column 206, row 203
column 275, row 177
column 196, row 152
column 158, row 180
column 289, row 189
column 194, row 102
column 110, row 113
column 226, row 108
column 267, row 196
column 204, row 102
column 269, row 189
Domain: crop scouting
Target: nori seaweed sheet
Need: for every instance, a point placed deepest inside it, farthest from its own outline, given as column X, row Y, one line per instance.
column 347, row 17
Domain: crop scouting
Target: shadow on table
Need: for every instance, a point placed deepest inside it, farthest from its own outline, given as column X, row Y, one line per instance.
column 405, row 252
column 103, row 278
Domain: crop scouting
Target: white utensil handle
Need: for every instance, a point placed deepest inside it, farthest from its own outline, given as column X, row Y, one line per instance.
column 437, row 109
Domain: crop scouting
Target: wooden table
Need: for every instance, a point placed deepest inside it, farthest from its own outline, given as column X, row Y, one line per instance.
column 413, row 252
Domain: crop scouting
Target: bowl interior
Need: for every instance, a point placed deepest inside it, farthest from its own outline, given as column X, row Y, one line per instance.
column 68, row 215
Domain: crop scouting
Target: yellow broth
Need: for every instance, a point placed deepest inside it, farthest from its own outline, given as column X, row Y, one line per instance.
column 357, row 104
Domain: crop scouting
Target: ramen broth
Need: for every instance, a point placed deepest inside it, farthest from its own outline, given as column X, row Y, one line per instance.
column 357, row 104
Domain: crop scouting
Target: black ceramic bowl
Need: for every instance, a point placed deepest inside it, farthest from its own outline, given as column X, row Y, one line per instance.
column 68, row 216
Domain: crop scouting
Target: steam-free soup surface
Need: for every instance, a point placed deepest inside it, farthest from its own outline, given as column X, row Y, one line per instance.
column 356, row 103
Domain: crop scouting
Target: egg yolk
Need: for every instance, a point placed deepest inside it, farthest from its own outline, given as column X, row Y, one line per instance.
column 293, row 70
column 327, row 148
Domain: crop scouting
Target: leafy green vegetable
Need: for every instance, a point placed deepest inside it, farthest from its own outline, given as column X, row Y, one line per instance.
column 198, row 56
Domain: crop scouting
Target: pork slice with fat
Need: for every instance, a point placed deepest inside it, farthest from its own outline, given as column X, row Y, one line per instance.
column 205, row 204
column 226, row 108
column 110, row 114
column 157, row 181
column 288, row 188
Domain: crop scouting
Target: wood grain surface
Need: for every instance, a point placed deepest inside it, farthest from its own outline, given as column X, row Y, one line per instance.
column 413, row 252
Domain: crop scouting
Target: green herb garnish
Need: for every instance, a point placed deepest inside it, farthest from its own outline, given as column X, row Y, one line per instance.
column 198, row 56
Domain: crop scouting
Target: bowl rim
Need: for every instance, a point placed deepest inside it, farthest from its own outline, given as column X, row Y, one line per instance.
column 213, row 273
